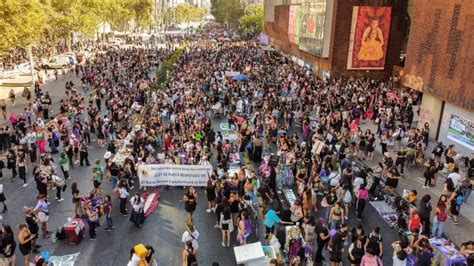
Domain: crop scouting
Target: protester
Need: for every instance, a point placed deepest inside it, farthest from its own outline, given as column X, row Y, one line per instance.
column 191, row 234
column 25, row 240
column 190, row 203
column 189, row 254
column 138, row 216
column 440, row 217
column 43, row 214
column 92, row 219
column 108, row 208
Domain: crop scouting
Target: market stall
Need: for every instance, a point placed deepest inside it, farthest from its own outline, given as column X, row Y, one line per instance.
column 295, row 245
column 445, row 253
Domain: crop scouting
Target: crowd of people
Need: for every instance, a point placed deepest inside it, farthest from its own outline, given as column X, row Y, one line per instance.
column 317, row 130
column 97, row 112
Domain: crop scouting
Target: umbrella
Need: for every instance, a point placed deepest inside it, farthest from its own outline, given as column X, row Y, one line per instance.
column 240, row 77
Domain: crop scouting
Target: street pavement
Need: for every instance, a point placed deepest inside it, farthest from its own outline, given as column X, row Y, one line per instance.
column 414, row 180
column 163, row 229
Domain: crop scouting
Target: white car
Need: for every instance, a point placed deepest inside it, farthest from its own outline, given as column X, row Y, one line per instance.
column 116, row 42
column 72, row 58
column 56, row 62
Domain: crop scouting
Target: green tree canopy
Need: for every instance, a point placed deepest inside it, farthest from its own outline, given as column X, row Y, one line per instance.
column 140, row 11
column 227, row 11
column 25, row 22
column 21, row 23
column 186, row 13
column 252, row 23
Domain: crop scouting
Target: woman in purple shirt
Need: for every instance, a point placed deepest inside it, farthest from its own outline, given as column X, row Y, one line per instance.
column 43, row 214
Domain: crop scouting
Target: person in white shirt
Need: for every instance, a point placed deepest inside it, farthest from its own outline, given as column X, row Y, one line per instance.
column 123, row 194
column 357, row 182
column 455, row 177
column 138, row 216
column 191, row 234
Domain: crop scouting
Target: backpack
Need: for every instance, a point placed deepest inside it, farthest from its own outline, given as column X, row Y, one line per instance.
column 191, row 257
column 374, row 241
column 459, row 200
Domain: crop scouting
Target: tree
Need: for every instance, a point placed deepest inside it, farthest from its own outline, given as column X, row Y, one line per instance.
column 21, row 23
column 227, row 11
column 186, row 13
column 252, row 23
column 141, row 11
column 115, row 13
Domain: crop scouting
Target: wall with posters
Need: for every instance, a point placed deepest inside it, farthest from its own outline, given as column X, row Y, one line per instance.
column 457, row 127
column 397, row 31
column 279, row 37
column 315, row 26
column 369, row 38
column 439, row 54
column 294, row 24
column 336, row 62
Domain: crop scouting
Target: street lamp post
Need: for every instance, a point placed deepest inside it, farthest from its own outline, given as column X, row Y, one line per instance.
column 30, row 54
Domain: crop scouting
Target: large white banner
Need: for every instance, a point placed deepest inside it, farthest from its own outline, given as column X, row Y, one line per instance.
column 173, row 175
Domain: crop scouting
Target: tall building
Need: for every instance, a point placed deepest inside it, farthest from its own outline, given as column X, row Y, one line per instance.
column 439, row 63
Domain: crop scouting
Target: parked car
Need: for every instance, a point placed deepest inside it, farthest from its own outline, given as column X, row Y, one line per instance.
column 72, row 58
column 56, row 62
column 116, row 42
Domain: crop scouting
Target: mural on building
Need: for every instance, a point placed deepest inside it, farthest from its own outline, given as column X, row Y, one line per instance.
column 369, row 37
column 316, row 16
column 294, row 24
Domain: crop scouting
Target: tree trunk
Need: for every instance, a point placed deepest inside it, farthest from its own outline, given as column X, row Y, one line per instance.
column 67, row 39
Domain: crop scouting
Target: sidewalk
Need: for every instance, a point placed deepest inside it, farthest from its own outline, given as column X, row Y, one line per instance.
column 18, row 83
column 55, row 88
column 414, row 180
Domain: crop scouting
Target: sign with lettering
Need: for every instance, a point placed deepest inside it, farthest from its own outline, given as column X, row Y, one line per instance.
column 173, row 175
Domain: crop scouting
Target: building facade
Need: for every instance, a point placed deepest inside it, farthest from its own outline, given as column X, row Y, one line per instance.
column 439, row 63
column 334, row 36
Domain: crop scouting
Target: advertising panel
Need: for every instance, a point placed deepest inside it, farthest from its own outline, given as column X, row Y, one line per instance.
column 369, row 38
column 294, row 24
column 461, row 130
column 315, row 27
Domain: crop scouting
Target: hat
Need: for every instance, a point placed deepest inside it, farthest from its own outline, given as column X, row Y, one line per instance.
column 107, row 155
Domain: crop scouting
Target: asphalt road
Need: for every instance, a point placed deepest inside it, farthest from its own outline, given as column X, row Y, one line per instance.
column 162, row 230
